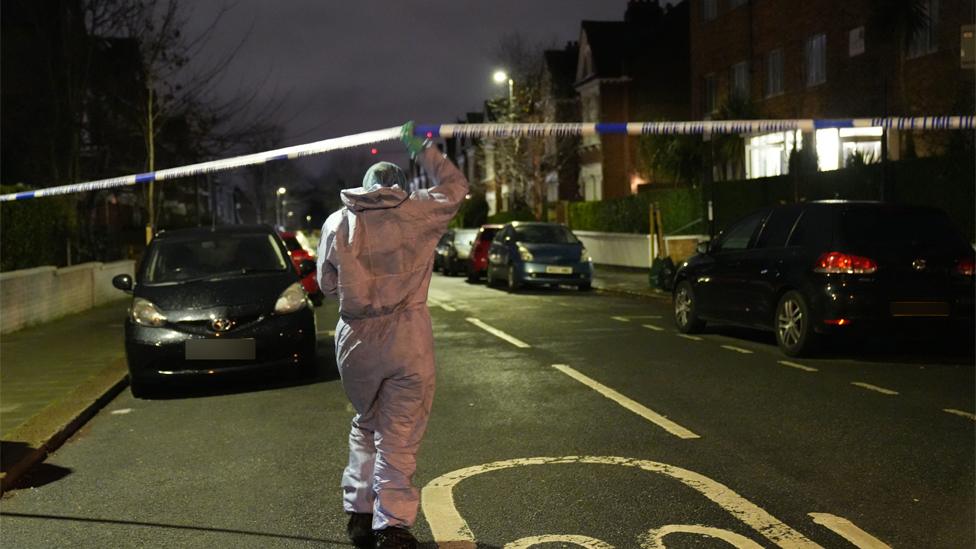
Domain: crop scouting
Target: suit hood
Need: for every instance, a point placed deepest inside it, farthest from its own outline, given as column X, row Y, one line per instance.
column 374, row 198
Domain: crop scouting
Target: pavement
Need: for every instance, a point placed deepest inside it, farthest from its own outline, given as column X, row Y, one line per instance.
column 48, row 389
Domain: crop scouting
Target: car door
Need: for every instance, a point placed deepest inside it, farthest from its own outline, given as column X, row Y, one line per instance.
column 766, row 264
column 498, row 252
column 724, row 284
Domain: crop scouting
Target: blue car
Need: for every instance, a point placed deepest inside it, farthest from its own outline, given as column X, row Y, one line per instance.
column 536, row 254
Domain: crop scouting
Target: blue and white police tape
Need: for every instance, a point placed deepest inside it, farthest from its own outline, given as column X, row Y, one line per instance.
column 511, row 130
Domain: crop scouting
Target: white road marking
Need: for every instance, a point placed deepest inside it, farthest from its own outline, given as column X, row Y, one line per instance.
column 653, row 327
column 441, row 304
column 620, row 318
column 654, row 538
column 628, row 318
column 875, row 388
column 121, row 411
column 325, row 332
column 847, row 530
column 798, row 366
column 632, row 405
column 737, row 349
column 449, row 529
column 960, row 413
column 582, row 541
column 9, row 408
column 691, row 337
column 498, row 333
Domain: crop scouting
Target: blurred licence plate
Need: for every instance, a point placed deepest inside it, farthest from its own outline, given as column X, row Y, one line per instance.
column 553, row 269
column 919, row 308
column 219, row 349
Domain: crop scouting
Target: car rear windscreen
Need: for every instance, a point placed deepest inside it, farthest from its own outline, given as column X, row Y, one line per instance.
column 544, row 234
column 909, row 229
column 178, row 259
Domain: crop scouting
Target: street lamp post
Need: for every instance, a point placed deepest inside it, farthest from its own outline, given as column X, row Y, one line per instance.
column 279, row 204
column 501, row 77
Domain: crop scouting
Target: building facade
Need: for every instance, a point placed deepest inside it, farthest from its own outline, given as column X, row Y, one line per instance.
column 860, row 58
column 631, row 70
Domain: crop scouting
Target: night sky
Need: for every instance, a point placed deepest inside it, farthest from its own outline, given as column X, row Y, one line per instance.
column 352, row 66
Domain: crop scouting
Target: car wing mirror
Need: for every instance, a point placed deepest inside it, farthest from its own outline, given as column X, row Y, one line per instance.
column 703, row 247
column 122, row 282
column 306, row 267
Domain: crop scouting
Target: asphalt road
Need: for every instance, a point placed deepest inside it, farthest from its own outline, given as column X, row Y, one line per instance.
column 583, row 420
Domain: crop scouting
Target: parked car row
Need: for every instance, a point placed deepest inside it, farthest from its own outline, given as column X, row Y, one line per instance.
column 819, row 270
column 517, row 255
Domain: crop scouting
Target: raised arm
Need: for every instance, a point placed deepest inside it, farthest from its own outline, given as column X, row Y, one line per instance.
column 450, row 185
column 326, row 274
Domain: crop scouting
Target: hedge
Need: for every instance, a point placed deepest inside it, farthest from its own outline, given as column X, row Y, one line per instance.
column 679, row 208
column 35, row 232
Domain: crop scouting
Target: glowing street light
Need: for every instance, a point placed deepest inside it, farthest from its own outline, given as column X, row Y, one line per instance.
column 282, row 190
column 501, row 77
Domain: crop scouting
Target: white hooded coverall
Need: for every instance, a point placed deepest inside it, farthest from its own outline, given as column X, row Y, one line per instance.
column 376, row 256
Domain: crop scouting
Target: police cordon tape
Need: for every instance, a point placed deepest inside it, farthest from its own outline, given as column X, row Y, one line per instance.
column 508, row 130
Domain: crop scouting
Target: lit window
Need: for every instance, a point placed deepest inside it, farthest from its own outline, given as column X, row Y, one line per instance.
column 768, row 155
column 709, row 9
column 739, row 79
column 774, row 73
column 925, row 39
column 828, row 149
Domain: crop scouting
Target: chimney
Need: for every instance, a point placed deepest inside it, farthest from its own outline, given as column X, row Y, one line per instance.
column 642, row 11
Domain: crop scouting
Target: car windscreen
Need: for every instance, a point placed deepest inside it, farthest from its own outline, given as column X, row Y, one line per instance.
column 488, row 234
column 178, row 259
column 907, row 229
column 463, row 237
column 544, row 234
column 292, row 244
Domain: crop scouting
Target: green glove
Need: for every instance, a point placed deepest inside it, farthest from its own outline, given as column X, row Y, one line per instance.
column 415, row 145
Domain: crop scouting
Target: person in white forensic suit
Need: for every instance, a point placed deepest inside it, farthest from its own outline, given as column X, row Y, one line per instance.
column 375, row 255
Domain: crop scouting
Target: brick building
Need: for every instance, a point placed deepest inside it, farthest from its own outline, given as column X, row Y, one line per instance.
column 560, row 104
column 857, row 58
column 636, row 69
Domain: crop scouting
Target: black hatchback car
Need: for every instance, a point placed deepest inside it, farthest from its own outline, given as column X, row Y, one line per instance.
column 215, row 301
column 809, row 270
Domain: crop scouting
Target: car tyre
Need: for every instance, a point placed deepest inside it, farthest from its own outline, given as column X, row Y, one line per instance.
column 513, row 281
column 686, row 309
column 586, row 286
column 793, row 325
column 472, row 275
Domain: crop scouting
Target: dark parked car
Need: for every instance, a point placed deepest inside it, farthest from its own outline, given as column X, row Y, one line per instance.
column 454, row 249
column 534, row 253
column 811, row 270
column 478, row 260
column 215, row 301
column 299, row 253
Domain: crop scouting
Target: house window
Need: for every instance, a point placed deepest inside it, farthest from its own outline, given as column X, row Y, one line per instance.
column 710, row 91
column 925, row 39
column 856, row 42
column 816, row 59
column 739, row 80
column 774, row 73
column 709, row 9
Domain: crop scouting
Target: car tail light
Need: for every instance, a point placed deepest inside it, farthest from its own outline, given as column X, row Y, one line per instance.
column 965, row 267
column 837, row 262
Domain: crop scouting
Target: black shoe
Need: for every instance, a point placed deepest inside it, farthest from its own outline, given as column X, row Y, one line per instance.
column 360, row 529
column 395, row 538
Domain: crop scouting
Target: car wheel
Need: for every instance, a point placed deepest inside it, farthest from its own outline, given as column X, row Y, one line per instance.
column 318, row 298
column 585, row 287
column 794, row 330
column 472, row 275
column 142, row 388
column 686, row 309
column 513, row 281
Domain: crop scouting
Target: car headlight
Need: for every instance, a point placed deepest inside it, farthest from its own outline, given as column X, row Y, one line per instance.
column 143, row 312
column 290, row 300
column 524, row 253
column 585, row 255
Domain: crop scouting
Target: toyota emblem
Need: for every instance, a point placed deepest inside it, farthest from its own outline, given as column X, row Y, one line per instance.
column 221, row 324
column 919, row 264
